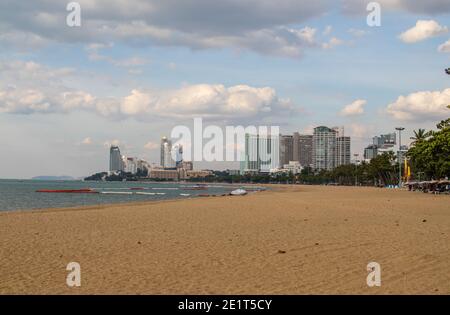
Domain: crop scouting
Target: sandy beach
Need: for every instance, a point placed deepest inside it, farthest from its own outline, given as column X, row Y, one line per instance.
column 291, row 240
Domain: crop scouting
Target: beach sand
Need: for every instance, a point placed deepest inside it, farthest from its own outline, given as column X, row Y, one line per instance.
column 291, row 240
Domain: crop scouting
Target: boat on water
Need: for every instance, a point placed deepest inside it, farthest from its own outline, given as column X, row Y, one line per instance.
column 238, row 192
column 69, row 191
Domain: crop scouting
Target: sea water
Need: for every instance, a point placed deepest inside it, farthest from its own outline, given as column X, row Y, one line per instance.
column 22, row 195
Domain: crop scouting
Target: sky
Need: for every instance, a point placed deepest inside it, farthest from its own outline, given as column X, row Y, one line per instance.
column 135, row 69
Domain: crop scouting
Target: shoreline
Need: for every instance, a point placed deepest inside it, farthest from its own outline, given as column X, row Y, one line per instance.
column 125, row 204
column 293, row 240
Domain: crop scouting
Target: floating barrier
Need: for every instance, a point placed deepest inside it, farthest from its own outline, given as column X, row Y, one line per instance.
column 68, row 191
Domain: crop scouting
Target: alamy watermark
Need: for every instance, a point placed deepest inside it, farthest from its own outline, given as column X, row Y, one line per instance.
column 73, row 19
column 74, row 277
column 214, row 143
column 374, row 17
column 374, row 277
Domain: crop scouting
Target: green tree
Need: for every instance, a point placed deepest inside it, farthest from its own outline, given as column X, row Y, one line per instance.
column 432, row 156
column 420, row 135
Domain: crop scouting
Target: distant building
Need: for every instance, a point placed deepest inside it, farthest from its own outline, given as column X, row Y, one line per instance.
column 233, row 172
column 304, row 149
column 198, row 174
column 131, row 165
column 339, row 131
column 186, row 165
column 286, row 149
column 163, row 174
column 293, row 167
column 297, row 148
column 343, row 151
column 167, row 162
column 178, row 153
column 385, row 141
column 324, row 148
column 380, row 144
column 262, row 153
column 115, row 159
column 370, row 152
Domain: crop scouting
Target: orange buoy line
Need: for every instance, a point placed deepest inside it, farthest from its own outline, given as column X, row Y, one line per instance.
column 71, row 191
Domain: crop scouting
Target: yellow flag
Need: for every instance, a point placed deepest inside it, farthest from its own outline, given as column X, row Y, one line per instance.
column 406, row 168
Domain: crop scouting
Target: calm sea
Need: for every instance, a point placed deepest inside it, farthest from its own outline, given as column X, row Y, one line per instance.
column 21, row 194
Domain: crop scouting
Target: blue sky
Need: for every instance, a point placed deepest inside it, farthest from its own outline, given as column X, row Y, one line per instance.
column 133, row 67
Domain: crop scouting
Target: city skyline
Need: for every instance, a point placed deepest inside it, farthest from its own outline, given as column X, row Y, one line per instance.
column 263, row 153
column 134, row 70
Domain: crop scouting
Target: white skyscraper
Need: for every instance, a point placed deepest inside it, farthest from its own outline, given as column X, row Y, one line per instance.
column 324, row 148
column 166, row 154
column 262, row 153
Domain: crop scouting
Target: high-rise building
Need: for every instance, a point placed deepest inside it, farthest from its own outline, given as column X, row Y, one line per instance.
column 296, row 148
column 131, row 165
column 178, row 151
column 262, row 153
column 380, row 144
column 304, row 151
column 343, row 151
column 167, row 161
column 339, row 131
column 286, row 149
column 385, row 141
column 370, row 152
column 324, row 148
column 115, row 159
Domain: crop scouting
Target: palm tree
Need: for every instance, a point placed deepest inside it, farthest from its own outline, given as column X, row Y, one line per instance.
column 420, row 136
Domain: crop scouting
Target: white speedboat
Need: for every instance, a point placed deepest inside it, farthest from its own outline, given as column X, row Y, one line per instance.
column 238, row 192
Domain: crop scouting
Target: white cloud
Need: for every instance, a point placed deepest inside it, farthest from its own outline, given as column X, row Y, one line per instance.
column 410, row 6
column 93, row 50
column 420, row 106
column 262, row 26
column 357, row 32
column 151, row 145
column 87, row 141
column 327, row 31
column 109, row 143
column 422, row 31
column 360, row 131
column 39, row 89
column 28, row 101
column 206, row 100
column 333, row 42
column 354, row 108
column 445, row 47
column 21, row 41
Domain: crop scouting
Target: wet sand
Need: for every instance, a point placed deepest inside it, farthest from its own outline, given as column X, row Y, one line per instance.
column 293, row 240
